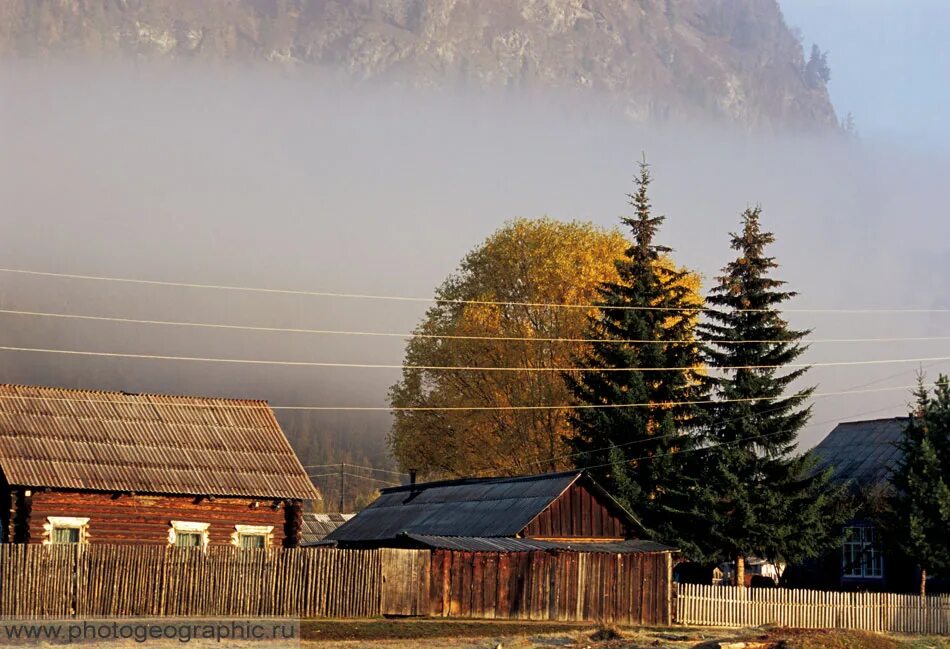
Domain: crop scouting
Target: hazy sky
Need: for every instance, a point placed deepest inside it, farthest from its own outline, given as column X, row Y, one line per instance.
column 263, row 179
column 258, row 179
column 890, row 63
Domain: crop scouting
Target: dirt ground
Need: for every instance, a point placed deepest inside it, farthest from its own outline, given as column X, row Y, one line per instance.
column 435, row 634
column 443, row 634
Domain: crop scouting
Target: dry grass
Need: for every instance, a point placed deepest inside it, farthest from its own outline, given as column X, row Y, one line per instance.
column 473, row 634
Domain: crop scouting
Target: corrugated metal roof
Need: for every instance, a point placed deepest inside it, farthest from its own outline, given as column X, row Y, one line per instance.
column 315, row 527
column 863, row 452
column 146, row 443
column 495, row 544
column 473, row 507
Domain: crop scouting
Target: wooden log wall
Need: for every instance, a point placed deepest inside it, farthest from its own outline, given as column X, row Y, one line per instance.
column 880, row 612
column 143, row 519
column 620, row 588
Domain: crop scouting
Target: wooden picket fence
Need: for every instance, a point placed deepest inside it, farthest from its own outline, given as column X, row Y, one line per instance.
column 813, row 609
column 118, row 581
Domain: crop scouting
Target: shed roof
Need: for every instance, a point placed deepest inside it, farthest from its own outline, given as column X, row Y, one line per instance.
column 146, row 443
column 315, row 527
column 470, row 507
column 862, row 452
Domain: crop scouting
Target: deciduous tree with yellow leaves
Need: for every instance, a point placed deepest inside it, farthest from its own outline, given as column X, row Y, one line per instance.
column 527, row 265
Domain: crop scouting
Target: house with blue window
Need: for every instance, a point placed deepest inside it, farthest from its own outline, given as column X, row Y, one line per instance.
column 863, row 455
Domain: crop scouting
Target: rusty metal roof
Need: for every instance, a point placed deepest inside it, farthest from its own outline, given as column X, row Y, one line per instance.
column 146, row 443
column 495, row 544
column 315, row 527
column 862, row 452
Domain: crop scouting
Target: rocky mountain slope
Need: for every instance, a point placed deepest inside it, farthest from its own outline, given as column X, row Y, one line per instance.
column 733, row 60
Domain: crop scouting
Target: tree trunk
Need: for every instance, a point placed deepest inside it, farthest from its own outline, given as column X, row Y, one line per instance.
column 740, row 571
column 923, row 582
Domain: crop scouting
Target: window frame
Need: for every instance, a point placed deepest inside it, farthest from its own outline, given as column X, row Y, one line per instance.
column 861, row 556
column 240, row 531
column 53, row 523
column 188, row 527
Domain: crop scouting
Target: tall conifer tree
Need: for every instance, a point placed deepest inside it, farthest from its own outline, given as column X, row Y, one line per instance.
column 635, row 451
column 758, row 495
column 920, row 508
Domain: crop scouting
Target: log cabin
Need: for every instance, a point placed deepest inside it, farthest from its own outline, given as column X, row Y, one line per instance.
column 79, row 466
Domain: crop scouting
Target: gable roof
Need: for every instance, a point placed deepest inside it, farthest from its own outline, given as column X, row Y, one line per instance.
column 146, row 443
column 863, row 452
column 472, row 507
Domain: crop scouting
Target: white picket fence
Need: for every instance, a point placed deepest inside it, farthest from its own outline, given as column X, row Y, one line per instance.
column 813, row 609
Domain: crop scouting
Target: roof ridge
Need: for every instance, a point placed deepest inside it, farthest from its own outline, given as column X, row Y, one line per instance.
column 871, row 421
column 130, row 394
column 476, row 480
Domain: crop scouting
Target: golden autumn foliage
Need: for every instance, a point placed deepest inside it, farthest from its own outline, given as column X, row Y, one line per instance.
column 532, row 262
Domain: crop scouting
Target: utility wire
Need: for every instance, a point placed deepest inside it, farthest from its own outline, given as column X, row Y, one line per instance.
column 366, row 477
column 401, row 298
column 710, row 447
column 728, row 421
column 358, row 466
column 461, row 368
column 411, row 335
column 236, row 405
column 355, row 475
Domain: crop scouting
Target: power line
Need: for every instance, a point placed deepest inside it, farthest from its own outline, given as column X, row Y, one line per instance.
column 355, row 475
column 402, row 298
column 366, row 477
column 357, row 466
column 656, row 437
column 239, row 405
column 372, row 468
column 856, row 389
column 710, row 447
column 460, row 368
column 411, row 335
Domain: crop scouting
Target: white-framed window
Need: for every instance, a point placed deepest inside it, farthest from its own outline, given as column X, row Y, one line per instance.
column 252, row 536
column 65, row 530
column 861, row 556
column 188, row 534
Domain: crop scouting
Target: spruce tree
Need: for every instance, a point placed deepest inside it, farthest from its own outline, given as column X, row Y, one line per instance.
column 757, row 495
column 635, row 452
column 920, row 507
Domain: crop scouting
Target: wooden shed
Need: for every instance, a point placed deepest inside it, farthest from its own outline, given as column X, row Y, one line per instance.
column 552, row 507
column 111, row 467
column 553, row 546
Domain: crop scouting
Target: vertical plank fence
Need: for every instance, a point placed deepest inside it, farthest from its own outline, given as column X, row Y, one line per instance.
column 119, row 581
column 103, row 581
column 882, row 612
column 597, row 586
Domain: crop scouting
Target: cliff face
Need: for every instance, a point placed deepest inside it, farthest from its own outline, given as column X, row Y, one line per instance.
column 734, row 60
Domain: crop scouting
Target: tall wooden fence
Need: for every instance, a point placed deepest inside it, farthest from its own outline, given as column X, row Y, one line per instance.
column 113, row 581
column 732, row 606
column 59, row 581
column 620, row 588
